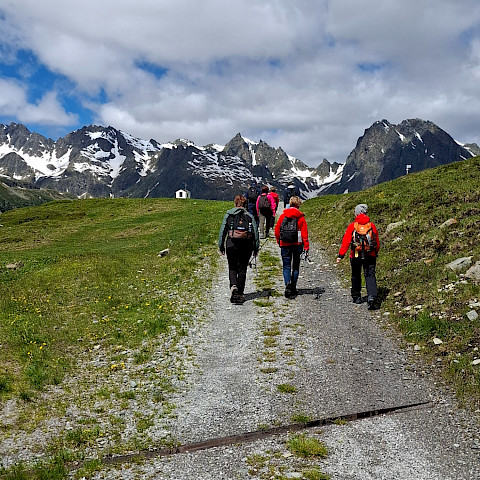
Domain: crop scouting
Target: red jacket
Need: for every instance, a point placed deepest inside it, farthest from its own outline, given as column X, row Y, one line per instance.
column 347, row 237
column 302, row 227
column 276, row 198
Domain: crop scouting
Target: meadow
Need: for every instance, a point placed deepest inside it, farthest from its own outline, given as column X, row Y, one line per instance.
column 76, row 273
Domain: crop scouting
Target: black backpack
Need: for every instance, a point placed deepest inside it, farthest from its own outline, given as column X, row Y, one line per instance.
column 240, row 226
column 264, row 205
column 289, row 230
column 252, row 195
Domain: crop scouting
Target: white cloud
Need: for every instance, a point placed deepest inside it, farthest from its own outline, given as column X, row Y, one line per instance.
column 48, row 110
column 308, row 76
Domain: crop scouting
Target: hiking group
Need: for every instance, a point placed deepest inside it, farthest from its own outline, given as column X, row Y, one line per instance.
column 251, row 219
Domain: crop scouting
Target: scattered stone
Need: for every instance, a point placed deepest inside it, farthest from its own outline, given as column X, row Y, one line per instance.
column 474, row 272
column 417, row 348
column 164, row 252
column 437, row 341
column 14, row 266
column 472, row 315
column 448, row 223
column 476, row 362
column 391, row 226
column 460, row 264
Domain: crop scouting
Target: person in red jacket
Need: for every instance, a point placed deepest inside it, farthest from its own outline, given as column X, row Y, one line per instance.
column 361, row 256
column 292, row 245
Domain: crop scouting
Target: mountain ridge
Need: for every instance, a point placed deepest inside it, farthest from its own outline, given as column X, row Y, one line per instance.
column 97, row 161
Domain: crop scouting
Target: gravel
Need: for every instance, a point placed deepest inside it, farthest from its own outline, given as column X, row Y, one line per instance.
column 340, row 359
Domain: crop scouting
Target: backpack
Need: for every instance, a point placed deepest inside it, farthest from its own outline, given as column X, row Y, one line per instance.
column 363, row 240
column 240, row 226
column 252, row 195
column 289, row 230
column 264, row 205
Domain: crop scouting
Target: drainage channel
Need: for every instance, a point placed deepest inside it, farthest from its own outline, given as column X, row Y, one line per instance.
column 255, row 435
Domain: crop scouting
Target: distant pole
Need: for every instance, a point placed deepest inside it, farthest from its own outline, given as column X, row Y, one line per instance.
column 408, row 168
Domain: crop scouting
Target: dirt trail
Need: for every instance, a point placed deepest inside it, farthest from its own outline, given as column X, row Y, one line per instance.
column 311, row 357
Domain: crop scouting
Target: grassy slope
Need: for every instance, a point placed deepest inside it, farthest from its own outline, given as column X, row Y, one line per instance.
column 88, row 272
column 427, row 299
column 15, row 194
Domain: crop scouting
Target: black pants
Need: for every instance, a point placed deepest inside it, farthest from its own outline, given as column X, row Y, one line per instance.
column 368, row 264
column 238, row 257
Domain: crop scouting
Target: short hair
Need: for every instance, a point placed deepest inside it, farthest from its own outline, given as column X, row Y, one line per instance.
column 273, row 189
column 265, row 189
column 295, row 201
column 240, row 201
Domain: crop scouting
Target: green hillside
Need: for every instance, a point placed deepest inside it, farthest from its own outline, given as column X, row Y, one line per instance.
column 16, row 194
column 425, row 299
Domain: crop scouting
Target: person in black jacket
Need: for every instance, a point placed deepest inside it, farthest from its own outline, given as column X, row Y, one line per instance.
column 290, row 191
column 240, row 231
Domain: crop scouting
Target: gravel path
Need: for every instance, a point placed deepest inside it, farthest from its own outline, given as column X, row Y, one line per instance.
column 330, row 358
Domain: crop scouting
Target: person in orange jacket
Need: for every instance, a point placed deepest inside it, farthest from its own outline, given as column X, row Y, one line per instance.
column 362, row 255
column 292, row 245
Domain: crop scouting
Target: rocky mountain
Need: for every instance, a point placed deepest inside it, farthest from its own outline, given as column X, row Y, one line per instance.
column 104, row 162
column 385, row 150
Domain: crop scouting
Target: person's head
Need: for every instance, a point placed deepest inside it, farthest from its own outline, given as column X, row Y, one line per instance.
column 265, row 189
column 361, row 208
column 240, row 201
column 295, row 201
column 273, row 189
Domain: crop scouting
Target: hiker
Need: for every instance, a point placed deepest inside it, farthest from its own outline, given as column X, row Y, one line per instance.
column 265, row 211
column 290, row 191
column 241, row 233
column 252, row 194
column 361, row 237
column 276, row 199
column 291, row 232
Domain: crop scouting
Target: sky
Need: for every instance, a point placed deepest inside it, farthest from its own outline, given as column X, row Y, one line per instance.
column 308, row 76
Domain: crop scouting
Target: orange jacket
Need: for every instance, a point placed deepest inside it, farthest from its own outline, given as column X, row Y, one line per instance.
column 302, row 227
column 347, row 237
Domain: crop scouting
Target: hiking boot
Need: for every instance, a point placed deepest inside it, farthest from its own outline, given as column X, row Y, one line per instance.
column 357, row 301
column 233, row 294
column 293, row 289
column 288, row 290
column 371, row 303
column 240, row 299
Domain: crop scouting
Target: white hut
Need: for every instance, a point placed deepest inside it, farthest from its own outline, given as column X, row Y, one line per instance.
column 182, row 193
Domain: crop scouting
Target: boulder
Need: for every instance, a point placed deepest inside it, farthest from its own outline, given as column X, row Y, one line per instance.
column 391, row 226
column 448, row 223
column 473, row 273
column 472, row 315
column 460, row 264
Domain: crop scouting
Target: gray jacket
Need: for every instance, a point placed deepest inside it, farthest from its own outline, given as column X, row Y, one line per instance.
column 224, row 229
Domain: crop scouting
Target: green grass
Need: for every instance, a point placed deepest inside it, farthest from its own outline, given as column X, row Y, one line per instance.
column 411, row 266
column 306, row 447
column 287, row 388
column 91, row 275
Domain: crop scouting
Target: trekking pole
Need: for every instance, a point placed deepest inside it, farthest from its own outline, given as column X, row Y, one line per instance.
column 306, row 257
column 263, row 244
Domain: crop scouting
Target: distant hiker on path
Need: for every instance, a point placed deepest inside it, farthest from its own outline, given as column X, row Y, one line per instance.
column 265, row 211
column 241, row 233
column 290, row 191
column 276, row 199
column 361, row 237
column 252, row 194
column 291, row 233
